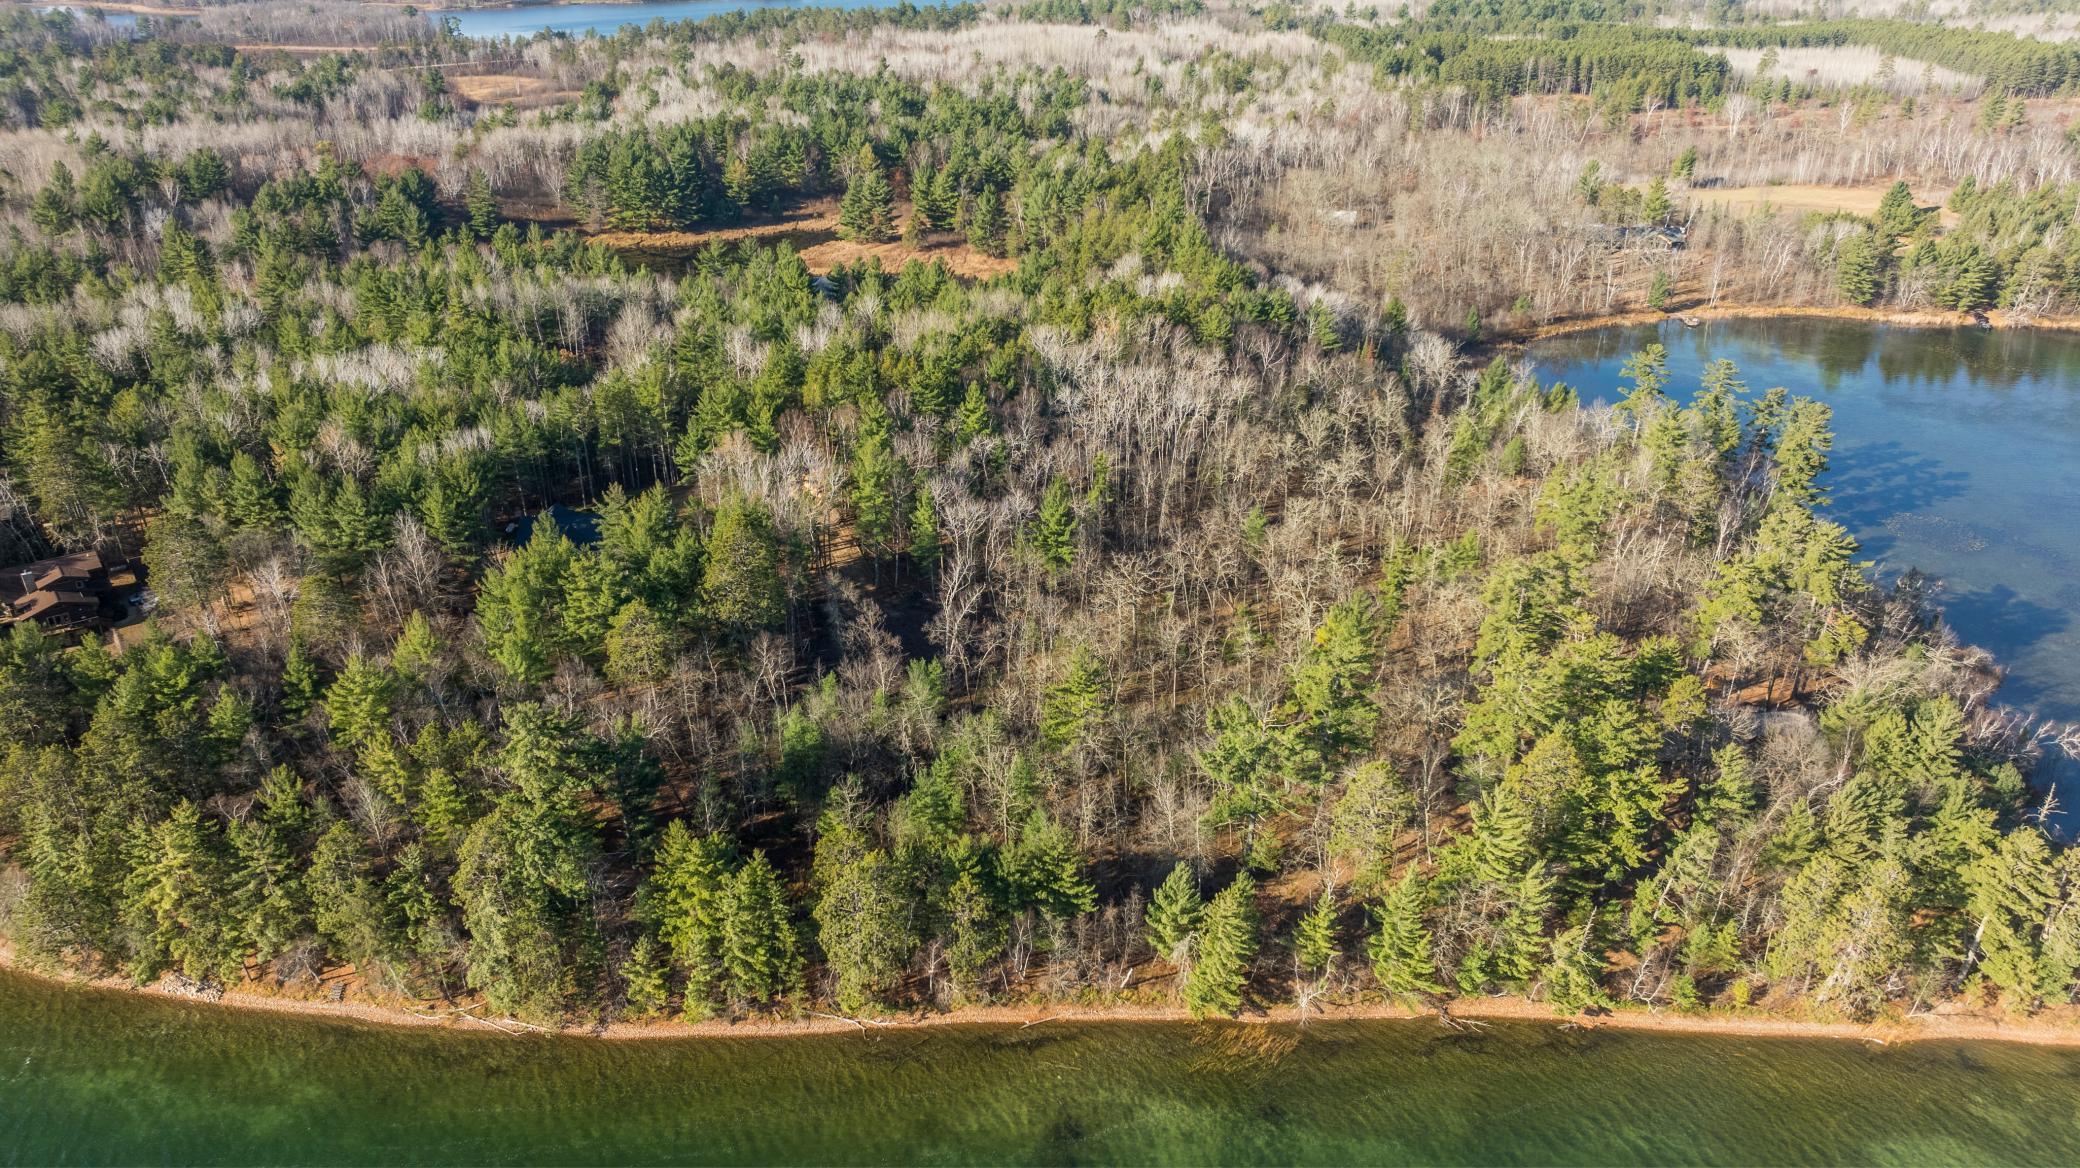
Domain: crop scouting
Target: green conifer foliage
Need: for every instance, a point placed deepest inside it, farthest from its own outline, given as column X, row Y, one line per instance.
column 867, row 212
column 761, row 952
column 1314, row 939
column 1173, row 915
column 743, row 586
column 1401, row 950
column 1227, row 949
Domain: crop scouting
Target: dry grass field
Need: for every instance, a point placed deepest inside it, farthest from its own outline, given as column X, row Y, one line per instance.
column 508, row 89
column 1801, row 198
column 813, row 230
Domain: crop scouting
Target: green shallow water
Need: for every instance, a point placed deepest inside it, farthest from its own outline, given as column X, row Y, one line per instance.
column 95, row 1077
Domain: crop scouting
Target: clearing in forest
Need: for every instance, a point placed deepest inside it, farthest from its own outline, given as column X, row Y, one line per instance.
column 813, row 230
column 508, row 89
column 1802, row 197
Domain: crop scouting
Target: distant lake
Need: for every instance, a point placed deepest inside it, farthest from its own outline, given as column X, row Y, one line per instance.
column 1957, row 451
column 88, row 15
column 103, row 1077
column 578, row 19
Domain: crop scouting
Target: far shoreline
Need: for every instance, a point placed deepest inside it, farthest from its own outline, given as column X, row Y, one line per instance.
column 1997, row 319
column 1954, row 1026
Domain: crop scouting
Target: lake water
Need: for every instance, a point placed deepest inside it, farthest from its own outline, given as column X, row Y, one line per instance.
column 94, row 1077
column 578, row 19
column 115, row 19
column 1957, row 451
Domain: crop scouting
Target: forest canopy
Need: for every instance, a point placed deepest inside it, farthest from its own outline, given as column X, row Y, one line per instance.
column 785, row 620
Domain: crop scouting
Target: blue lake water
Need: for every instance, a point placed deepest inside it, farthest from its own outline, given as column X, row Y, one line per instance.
column 1955, row 453
column 579, row 19
column 114, row 19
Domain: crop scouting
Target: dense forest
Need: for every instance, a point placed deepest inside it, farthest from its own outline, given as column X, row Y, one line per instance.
column 1175, row 616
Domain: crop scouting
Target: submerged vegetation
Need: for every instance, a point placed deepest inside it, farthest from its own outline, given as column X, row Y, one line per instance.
column 1184, row 610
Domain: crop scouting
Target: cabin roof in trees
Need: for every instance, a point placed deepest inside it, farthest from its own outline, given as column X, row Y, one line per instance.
column 61, row 592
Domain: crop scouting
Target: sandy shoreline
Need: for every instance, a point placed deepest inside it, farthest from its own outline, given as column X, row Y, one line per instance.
column 1952, row 1026
column 1917, row 318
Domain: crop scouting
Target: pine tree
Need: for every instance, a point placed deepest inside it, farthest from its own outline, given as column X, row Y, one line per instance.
column 1072, row 707
column 1685, row 164
column 1589, row 184
column 519, row 880
column 1400, row 951
column 1802, row 451
column 301, row 684
column 862, row 919
column 1048, row 871
column 1395, row 317
column 936, row 381
column 1333, row 680
column 1324, row 329
column 2010, row 890
column 760, row 950
column 357, row 524
column 189, row 565
column 640, row 647
column 876, row 472
column 925, row 540
column 1520, row 934
column 481, row 205
column 1173, row 915
column 452, row 505
column 867, row 212
column 1574, row 975
column 973, row 418
column 1896, row 214
column 1314, row 940
column 1858, row 264
column 1648, row 372
column 359, row 702
column 267, row 888
column 178, row 900
column 933, row 197
column 1227, row 947
column 417, row 653
column 1658, row 290
column 685, row 897
column 986, row 223
column 347, row 907
column 1658, row 206
column 1052, row 534
column 646, row 978
column 418, row 910
column 203, row 173
column 55, row 209
column 1248, row 764
column 251, row 502
column 977, row 930
column 742, row 584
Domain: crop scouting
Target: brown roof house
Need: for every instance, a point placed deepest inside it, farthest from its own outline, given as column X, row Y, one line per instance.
column 68, row 592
